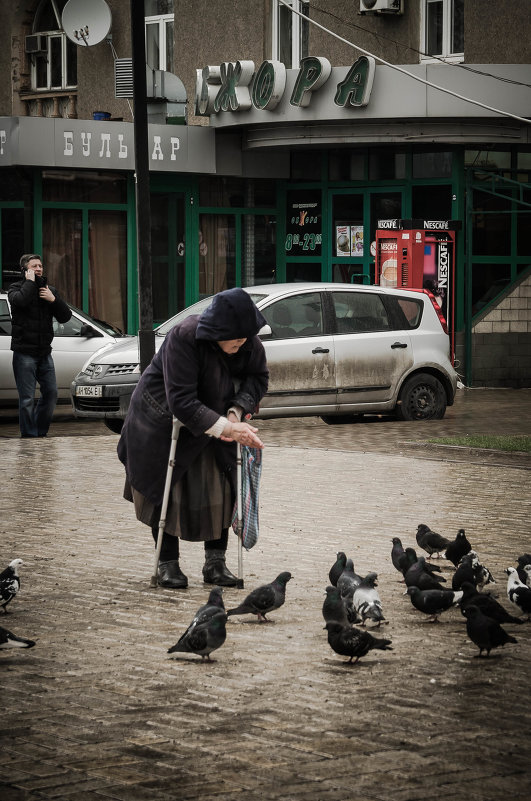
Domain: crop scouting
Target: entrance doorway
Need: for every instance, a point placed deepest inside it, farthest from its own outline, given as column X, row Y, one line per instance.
column 168, row 254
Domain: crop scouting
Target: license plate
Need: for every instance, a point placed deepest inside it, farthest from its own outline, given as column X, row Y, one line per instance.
column 88, row 392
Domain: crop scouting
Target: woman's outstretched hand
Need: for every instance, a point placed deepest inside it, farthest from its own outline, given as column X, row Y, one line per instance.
column 243, row 433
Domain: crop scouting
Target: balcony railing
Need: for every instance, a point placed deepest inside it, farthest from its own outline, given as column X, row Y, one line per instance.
column 56, row 104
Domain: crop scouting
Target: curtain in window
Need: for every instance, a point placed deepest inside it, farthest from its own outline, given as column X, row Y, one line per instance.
column 61, row 236
column 108, row 267
column 217, row 256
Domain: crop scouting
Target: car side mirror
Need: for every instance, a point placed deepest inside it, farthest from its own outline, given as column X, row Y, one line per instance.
column 265, row 331
column 88, row 331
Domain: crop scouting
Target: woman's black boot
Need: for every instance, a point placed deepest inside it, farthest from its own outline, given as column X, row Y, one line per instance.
column 171, row 575
column 215, row 571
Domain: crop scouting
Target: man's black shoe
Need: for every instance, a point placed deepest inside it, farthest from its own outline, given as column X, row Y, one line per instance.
column 216, row 571
column 171, row 575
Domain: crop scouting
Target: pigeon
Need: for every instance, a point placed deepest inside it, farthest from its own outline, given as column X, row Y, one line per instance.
column 430, row 541
column 433, row 602
column 527, row 574
column 458, row 548
column 10, row 640
column 264, row 599
column 419, row 576
column 212, row 607
column 337, row 568
column 367, row 602
column 485, row 632
column 352, row 642
column 9, row 583
column 488, row 605
column 410, row 558
column 518, row 593
column 396, row 552
column 523, row 560
column 335, row 608
column 470, row 569
column 204, row 638
column 349, row 579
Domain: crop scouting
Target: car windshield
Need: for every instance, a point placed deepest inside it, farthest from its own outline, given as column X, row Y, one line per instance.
column 110, row 329
column 196, row 308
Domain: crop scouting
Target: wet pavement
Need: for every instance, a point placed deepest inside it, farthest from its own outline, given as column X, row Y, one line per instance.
column 98, row 709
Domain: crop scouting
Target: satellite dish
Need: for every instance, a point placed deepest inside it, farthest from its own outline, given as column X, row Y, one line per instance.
column 86, row 22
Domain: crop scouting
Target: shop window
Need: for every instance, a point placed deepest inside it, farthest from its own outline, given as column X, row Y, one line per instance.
column 345, row 165
column 432, row 165
column 310, row 271
column 217, row 253
column 56, row 66
column 159, row 19
column 488, row 280
column 12, row 243
column 443, row 29
column 491, row 225
column 84, row 187
column 431, row 202
column 386, row 165
column 290, row 32
column 234, row 192
column 488, row 159
column 306, row 165
column 258, row 249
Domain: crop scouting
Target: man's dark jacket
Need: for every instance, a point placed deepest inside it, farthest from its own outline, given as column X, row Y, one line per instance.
column 32, row 318
column 192, row 379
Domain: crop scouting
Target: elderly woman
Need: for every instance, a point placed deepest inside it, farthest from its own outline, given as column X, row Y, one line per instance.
column 211, row 374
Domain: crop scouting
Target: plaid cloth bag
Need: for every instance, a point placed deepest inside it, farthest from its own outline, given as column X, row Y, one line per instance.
column 251, row 472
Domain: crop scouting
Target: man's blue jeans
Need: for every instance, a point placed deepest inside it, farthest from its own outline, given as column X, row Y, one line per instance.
column 29, row 370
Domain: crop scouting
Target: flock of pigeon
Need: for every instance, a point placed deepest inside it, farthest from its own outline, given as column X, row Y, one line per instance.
column 353, row 599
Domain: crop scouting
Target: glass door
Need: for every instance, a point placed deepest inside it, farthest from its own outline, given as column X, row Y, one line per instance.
column 167, row 254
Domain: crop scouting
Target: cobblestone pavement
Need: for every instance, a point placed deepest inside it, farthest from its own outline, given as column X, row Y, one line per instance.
column 99, row 710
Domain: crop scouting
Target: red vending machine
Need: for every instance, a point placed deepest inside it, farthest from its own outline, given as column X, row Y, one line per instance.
column 419, row 254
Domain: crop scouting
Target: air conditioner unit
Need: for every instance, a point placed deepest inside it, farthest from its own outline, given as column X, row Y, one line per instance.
column 37, row 43
column 381, row 7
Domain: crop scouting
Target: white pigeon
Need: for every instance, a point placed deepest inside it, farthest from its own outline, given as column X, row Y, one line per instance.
column 367, row 602
column 518, row 593
column 9, row 583
column 10, row 640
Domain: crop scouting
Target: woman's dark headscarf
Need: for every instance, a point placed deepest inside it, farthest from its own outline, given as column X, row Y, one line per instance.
column 231, row 315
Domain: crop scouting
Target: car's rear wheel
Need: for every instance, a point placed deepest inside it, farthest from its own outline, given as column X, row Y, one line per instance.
column 114, row 424
column 421, row 398
column 340, row 419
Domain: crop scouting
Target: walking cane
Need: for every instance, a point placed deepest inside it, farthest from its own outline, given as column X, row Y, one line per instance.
column 239, row 513
column 165, row 498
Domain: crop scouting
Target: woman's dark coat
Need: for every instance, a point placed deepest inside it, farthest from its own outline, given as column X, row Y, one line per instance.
column 192, row 379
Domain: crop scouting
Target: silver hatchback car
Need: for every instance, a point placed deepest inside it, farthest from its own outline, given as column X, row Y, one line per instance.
column 333, row 350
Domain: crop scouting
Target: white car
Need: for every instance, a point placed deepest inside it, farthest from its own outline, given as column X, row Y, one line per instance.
column 333, row 350
column 73, row 343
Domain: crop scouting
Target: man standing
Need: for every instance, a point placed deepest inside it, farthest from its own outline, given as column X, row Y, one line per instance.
column 33, row 307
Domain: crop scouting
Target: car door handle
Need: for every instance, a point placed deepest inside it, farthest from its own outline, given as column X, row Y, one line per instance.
column 399, row 345
column 320, row 350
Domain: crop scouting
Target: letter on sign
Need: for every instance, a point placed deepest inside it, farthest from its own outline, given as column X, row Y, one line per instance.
column 269, row 84
column 314, row 72
column 234, row 94
column 355, row 89
column 208, row 81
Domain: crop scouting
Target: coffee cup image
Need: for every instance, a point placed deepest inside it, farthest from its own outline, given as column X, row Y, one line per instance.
column 342, row 242
column 389, row 272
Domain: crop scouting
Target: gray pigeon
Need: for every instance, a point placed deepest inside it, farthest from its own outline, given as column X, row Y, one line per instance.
column 212, row 607
column 366, row 600
column 485, row 632
column 336, row 610
column 518, row 593
column 352, row 642
column 433, row 602
column 204, row 638
column 430, row 541
column 348, row 580
column 337, row 568
column 9, row 583
column 264, row 599
column 10, row 640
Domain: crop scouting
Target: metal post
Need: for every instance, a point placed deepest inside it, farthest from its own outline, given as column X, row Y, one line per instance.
column 146, row 337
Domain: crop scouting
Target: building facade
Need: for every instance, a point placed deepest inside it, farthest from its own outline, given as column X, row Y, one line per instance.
column 295, row 122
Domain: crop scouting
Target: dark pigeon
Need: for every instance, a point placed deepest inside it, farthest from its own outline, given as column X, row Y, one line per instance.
column 433, row 602
column 366, row 601
column 337, row 568
column 410, row 558
column 348, row 580
column 485, row 632
column 336, row 610
column 523, row 560
column 470, row 569
column 204, row 638
column 430, row 541
column 488, row 605
column 264, row 599
column 9, row 583
column 352, row 642
column 212, row 607
column 396, row 552
column 527, row 575
column 10, row 640
column 458, row 548
column 418, row 576
column 518, row 593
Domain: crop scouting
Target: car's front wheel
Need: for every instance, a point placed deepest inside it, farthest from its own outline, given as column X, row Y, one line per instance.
column 421, row 398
